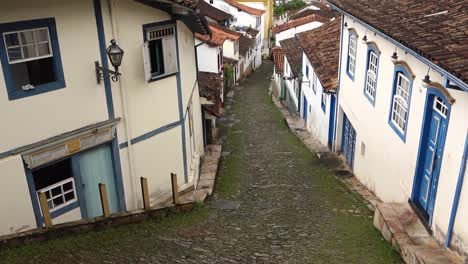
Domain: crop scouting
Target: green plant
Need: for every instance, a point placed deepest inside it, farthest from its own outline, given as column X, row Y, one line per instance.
column 289, row 6
column 228, row 75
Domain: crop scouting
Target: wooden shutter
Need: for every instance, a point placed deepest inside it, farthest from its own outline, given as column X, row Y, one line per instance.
column 170, row 54
column 146, row 61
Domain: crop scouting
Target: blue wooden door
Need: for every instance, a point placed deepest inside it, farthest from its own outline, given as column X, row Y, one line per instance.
column 432, row 156
column 305, row 108
column 348, row 145
column 96, row 167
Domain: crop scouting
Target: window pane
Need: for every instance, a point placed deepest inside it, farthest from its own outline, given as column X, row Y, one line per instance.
column 56, row 191
column 69, row 196
column 43, row 49
column 11, row 39
column 67, row 186
column 42, row 35
column 29, row 52
column 27, row 37
column 14, row 54
column 58, row 201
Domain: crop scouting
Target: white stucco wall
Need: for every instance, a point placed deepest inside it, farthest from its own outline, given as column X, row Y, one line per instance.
column 293, row 31
column 207, row 57
column 317, row 119
column 388, row 165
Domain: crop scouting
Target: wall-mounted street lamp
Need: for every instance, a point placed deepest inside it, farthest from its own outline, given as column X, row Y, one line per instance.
column 426, row 82
column 115, row 54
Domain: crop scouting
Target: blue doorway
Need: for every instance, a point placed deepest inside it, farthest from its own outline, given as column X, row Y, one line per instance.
column 430, row 155
column 348, row 144
column 96, row 167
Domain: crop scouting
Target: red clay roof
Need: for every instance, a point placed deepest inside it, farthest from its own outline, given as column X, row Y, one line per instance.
column 278, row 58
column 298, row 22
column 322, row 47
column 252, row 32
column 210, row 86
column 219, row 35
column 247, row 9
column 324, row 11
column 435, row 29
column 292, row 49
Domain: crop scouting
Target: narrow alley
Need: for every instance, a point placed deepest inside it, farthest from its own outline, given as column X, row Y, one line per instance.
column 274, row 202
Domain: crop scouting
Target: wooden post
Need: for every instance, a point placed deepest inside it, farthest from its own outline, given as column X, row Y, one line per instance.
column 175, row 188
column 144, row 192
column 104, row 201
column 45, row 210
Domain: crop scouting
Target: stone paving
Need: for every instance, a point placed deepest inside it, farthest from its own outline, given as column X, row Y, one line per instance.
column 274, row 202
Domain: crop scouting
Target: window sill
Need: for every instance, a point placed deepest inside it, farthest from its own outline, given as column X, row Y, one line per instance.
column 400, row 134
column 160, row 77
column 65, row 209
column 40, row 89
column 350, row 75
column 372, row 101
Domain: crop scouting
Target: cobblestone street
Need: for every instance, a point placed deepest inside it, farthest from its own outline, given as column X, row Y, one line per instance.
column 274, row 202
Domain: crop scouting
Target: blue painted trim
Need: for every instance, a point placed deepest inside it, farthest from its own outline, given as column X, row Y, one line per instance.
column 458, row 189
column 33, row 196
column 335, row 126
column 401, row 69
column 64, row 209
column 110, row 105
column 424, row 138
column 151, row 134
column 331, row 123
column 371, row 48
column 442, row 71
column 15, row 93
column 181, row 107
column 75, row 159
column 352, row 75
column 162, row 76
column 322, row 105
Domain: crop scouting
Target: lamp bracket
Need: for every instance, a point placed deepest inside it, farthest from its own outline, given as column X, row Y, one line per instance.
column 103, row 73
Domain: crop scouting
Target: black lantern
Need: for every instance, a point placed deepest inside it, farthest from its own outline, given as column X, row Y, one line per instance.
column 115, row 54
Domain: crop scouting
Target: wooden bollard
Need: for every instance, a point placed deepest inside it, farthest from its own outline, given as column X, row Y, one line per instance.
column 144, row 192
column 104, row 200
column 45, row 210
column 175, row 188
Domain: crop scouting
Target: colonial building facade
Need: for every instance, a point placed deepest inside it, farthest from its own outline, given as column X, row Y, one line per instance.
column 69, row 127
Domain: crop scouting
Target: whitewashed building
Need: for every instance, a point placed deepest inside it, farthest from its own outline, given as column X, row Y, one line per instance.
column 320, row 59
column 403, row 101
column 69, row 127
column 245, row 17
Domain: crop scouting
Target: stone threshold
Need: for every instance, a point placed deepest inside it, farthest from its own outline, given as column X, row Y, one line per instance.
column 397, row 222
column 401, row 227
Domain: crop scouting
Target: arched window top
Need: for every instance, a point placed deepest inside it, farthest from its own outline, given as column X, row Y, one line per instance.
column 441, row 91
column 371, row 45
column 352, row 31
column 401, row 66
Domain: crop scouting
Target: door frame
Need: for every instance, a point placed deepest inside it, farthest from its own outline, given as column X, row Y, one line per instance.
column 346, row 119
column 424, row 136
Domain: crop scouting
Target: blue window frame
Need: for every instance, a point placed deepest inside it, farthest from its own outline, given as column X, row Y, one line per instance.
column 352, row 53
column 30, row 57
column 324, row 101
column 372, row 68
column 307, row 72
column 401, row 101
column 314, row 82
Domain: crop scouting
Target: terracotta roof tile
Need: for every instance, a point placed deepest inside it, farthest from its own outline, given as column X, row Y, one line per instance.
column 219, row 35
column 437, row 30
column 292, row 49
column 322, row 47
column 278, row 58
column 324, row 11
column 212, row 12
column 210, row 85
column 252, row 32
column 247, row 9
column 245, row 43
column 298, row 22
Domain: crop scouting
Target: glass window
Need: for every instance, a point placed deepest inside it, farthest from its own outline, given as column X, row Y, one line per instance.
column 371, row 75
column 399, row 112
column 352, row 49
column 160, row 51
